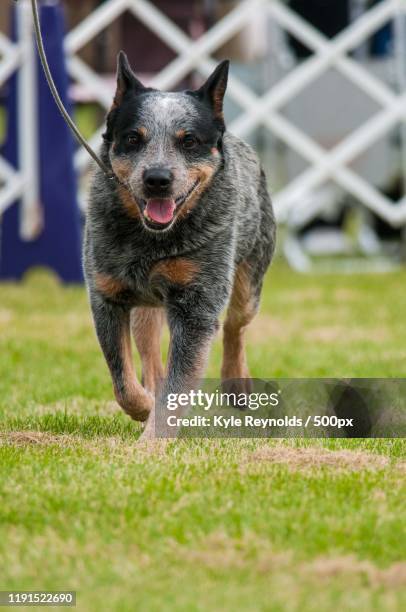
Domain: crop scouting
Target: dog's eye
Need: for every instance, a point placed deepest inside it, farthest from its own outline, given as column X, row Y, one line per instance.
column 189, row 142
column 133, row 140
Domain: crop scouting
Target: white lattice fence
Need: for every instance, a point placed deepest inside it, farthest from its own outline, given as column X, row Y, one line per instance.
column 332, row 164
column 257, row 110
column 22, row 183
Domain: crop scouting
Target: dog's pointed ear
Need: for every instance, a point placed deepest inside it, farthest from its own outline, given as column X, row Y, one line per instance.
column 214, row 89
column 126, row 79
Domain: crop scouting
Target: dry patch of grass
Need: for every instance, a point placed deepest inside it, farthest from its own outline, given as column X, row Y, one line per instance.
column 39, row 438
column 27, row 438
column 393, row 576
column 112, row 446
column 342, row 334
column 78, row 406
column 123, row 557
column 316, row 457
column 265, row 326
column 251, row 452
column 343, row 294
column 309, row 294
column 6, row 316
column 219, row 551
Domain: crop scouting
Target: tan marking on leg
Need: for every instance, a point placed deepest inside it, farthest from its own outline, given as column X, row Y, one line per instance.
column 131, row 396
column 178, row 270
column 146, row 324
column 241, row 311
column 109, row 286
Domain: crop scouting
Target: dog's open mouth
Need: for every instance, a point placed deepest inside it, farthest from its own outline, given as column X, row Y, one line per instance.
column 160, row 212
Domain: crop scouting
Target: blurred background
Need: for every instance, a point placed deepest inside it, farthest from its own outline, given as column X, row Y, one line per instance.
column 317, row 87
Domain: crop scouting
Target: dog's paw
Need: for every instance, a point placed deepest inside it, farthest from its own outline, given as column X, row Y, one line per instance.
column 146, row 406
column 138, row 406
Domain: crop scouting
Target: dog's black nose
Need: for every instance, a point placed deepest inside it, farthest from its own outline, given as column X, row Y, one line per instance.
column 157, row 179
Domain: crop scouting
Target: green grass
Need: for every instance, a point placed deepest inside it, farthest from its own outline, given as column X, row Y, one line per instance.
column 200, row 525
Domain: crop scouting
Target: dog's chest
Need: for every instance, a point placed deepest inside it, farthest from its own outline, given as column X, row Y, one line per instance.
column 145, row 281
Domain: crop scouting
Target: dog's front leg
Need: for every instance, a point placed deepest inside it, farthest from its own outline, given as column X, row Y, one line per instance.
column 191, row 337
column 112, row 323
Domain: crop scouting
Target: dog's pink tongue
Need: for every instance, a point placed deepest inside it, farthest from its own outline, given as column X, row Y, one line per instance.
column 161, row 211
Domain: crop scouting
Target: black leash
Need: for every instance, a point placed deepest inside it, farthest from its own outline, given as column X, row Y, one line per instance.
column 51, row 83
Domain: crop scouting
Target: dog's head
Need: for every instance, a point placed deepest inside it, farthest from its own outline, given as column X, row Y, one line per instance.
column 165, row 147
